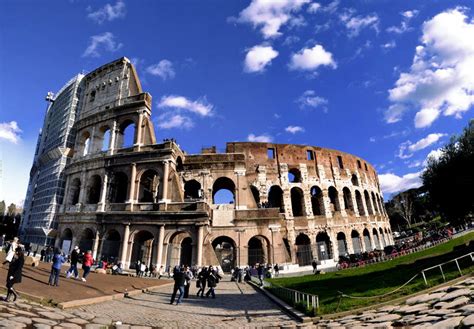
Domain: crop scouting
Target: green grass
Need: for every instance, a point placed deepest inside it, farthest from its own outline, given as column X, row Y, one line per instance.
column 381, row 278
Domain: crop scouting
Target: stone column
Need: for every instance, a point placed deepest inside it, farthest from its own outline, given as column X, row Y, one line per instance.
column 103, row 193
column 327, row 204
column 124, row 251
column 83, row 191
column 95, row 248
column 131, row 195
column 340, row 199
column 138, row 141
column 164, row 192
column 349, row 246
column 159, row 253
column 113, row 138
column 200, row 242
column 354, row 203
column 67, row 193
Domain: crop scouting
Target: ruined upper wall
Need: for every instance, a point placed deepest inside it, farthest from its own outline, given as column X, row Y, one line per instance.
column 108, row 85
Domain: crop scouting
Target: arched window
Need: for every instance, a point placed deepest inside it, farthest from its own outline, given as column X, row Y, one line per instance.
column 84, row 145
column 179, row 164
column 118, row 188
column 297, row 202
column 360, row 204
column 334, row 199
column 317, row 201
column 367, row 242
column 95, row 186
column 126, row 134
column 223, row 191
column 367, row 203
column 374, row 202
column 354, row 180
column 149, row 182
column 348, row 205
column 356, row 244
column 256, row 195
column 294, row 175
column 324, row 246
column 192, row 189
column 275, row 198
column 342, row 244
column 105, row 139
column 304, row 254
column 75, row 191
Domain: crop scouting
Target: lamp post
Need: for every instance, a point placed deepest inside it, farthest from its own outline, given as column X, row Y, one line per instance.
column 239, row 230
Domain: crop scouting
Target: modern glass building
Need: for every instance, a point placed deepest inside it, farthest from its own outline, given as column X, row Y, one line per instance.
column 53, row 152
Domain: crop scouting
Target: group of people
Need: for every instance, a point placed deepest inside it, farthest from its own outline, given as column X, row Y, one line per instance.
column 59, row 259
column 206, row 276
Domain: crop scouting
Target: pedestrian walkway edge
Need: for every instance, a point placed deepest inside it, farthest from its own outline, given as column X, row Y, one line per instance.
column 284, row 306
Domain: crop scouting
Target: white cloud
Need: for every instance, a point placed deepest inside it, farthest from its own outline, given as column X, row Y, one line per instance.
column 105, row 41
column 108, row 12
column 407, row 148
column 270, row 16
column 200, row 107
column 389, row 45
column 404, row 25
column 310, row 59
column 261, row 138
column 331, row 7
column 294, row 129
column 314, row 7
column 310, row 100
column 164, row 69
column 440, row 80
column 258, row 57
column 391, row 183
column 394, row 113
column 169, row 121
column 355, row 24
column 10, row 131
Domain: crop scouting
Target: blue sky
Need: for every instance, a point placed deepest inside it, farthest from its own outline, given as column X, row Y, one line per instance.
column 389, row 81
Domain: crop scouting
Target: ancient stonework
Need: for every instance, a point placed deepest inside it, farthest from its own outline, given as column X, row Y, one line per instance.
column 138, row 199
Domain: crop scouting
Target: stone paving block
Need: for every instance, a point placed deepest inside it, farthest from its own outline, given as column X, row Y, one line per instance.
column 44, row 321
column 457, row 302
column 425, row 298
column 448, row 323
column 41, row 326
column 468, row 321
column 52, row 315
column 425, row 319
column 455, row 294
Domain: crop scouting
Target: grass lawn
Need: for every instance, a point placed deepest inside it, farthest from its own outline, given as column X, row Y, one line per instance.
column 383, row 277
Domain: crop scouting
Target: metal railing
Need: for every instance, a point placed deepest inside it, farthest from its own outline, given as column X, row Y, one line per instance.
column 440, row 266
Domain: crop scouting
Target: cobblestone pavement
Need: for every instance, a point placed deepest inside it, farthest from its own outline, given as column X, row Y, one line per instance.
column 447, row 307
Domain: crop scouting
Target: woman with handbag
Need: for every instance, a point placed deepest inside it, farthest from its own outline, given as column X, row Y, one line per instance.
column 15, row 273
column 86, row 264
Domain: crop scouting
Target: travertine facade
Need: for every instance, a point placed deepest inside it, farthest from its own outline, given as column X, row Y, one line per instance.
column 134, row 199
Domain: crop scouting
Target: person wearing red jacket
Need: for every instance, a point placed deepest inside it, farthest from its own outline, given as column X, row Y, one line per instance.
column 87, row 262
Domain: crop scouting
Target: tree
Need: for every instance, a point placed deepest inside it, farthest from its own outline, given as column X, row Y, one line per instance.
column 449, row 180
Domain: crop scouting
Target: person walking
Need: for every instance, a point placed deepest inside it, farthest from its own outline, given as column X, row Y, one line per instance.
column 190, row 276
column 11, row 250
column 180, row 278
column 260, row 272
column 212, row 281
column 202, row 281
column 276, row 268
column 58, row 260
column 87, row 262
column 74, row 260
column 315, row 266
column 14, row 274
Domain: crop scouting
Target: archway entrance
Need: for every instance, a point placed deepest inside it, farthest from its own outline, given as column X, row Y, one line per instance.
column 258, row 250
column 376, row 239
column 180, row 249
column 111, row 246
column 66, row 240
column 226, row 252
column 356, row 242
column 342, row 244
column 87, row 240
column 367, row 242
column 142, row 248
column 304, row 254
column 324, row 246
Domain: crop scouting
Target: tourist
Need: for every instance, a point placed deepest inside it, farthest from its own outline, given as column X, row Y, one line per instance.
column 58, row 260
column 212, row 280
column 202, row 281
column 87, row 262
column 143, row 270
column 42, row 255
column 180, row 278
column 189, row 276
column 74, row 260
column 11, row 250
column 137, row 267
column 14, row 273
column 315, row 266
column 161, row 272
column 260, row 272
column 276, row 268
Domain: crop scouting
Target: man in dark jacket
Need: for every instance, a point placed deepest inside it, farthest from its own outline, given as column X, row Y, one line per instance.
column 202, row 281
column 74, row 260
column 180, row 277
column 15, row 273
column 212, row 281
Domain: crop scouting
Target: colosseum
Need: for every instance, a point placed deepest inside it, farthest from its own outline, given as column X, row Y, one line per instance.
column 132, row 199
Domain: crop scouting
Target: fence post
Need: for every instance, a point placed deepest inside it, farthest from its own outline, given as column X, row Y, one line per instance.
column 441, row 269
column 457, row 264
column 296, row 298
column 424, row 277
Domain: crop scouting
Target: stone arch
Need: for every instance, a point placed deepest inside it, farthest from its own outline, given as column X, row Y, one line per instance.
column 118, row 187
column 126, row 134
column 374, row 202
column 148, row 186
column 382, row 237
column 367, row 241
column 380, row 204
column 225, row 249
column 74, row 191
column 180, row 249
column 275, row 198
column 142, row 247
column 354, row 180
column 94, row 189
column 192, row 189
column 334, row 199
column 297, row 202
column 256, row 195
column 258, row 248
column 360, row 204
column 111, row 245
column 348, row 205
column 367, row 203
column 317, row 201
column 377, row 242
column 356, row 242
column 304, row 253
column 342, row 244
column 223, row 191
column 179, row 164
column 294, row 175
column 324, row 246
column 85, row 143
column 86, row 240
column 66, row 240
